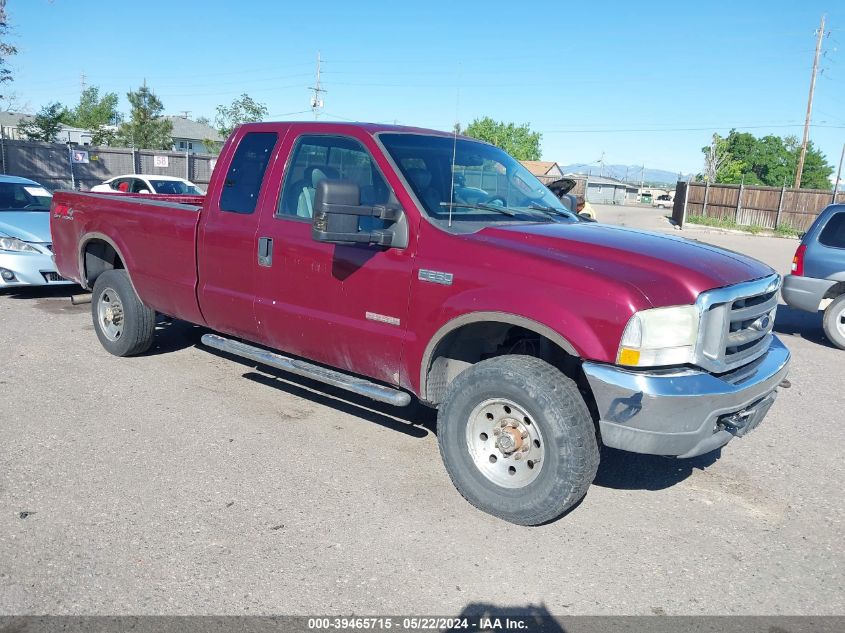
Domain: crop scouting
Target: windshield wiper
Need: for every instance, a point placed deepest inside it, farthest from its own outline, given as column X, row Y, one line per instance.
column 549, row 210
column 479, row 206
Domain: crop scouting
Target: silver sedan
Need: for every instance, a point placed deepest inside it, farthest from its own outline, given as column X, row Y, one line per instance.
column 26, row 249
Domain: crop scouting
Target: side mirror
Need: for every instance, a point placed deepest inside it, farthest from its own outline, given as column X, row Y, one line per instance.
column 586, row 217
column 338, row 211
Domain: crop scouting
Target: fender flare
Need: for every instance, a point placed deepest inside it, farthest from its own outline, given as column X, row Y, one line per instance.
column 478, row 317
column 83, row 244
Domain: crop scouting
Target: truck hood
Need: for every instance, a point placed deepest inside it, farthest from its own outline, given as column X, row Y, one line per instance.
column 667, row 270
column 29, row 226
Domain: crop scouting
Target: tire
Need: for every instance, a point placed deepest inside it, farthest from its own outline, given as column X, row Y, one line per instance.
column 555, row 424
column 133, row 330
column 834, row 322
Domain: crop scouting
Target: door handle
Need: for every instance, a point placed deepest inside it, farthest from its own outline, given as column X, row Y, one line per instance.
column 265, row 251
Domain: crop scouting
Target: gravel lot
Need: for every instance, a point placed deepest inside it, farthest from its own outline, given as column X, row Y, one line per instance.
column 187, row 482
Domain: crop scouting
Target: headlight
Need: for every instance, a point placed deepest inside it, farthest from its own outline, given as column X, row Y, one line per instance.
column 14, row 244
column 660, row 336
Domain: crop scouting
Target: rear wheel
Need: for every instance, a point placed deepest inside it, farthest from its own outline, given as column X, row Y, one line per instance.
column 517, row 439
column 124, row 325
column 834, row 322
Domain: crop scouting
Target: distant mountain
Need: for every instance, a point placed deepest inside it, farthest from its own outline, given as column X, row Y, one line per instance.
column 634, row 173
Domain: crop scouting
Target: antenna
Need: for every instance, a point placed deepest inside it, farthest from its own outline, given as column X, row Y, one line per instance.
column 455, row 145
column 316, row 99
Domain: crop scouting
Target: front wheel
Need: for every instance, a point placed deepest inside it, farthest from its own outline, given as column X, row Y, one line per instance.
column 834, row 322
column 124, row 325
column 517, row 439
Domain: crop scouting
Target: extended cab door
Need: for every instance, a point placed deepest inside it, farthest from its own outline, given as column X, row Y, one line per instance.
column 342, row 305
column 227, row 243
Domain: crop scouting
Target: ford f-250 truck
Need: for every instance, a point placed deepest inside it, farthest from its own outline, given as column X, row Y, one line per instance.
column 393, row 261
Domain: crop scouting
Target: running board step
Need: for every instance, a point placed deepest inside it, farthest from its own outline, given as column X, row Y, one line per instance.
column 301, row 368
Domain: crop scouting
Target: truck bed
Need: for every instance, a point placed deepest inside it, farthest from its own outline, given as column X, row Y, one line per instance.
column 154, row 236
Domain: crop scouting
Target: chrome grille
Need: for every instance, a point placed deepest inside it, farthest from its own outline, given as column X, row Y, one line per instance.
column 736, row 323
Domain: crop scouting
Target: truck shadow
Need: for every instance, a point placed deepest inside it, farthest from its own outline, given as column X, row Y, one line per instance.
column 622, row 470
column 415, row 420
column 807, row 325
column 173, row 335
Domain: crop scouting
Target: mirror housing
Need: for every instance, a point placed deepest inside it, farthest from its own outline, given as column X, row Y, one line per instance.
column 337, row 214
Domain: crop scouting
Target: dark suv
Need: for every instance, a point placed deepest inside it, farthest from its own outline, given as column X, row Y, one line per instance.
column 818, row 273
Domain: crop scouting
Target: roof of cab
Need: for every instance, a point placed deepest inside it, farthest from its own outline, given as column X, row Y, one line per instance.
column 370, row 128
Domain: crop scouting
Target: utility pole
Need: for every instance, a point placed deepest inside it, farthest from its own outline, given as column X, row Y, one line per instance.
column 316, row 99
column 800, row 171
column 82, row 82
column 601, row 165
column 838, row 174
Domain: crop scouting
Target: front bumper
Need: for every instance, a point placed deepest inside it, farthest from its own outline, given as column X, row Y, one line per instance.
column 686, row 412
column 805, row 293
column 29, row 269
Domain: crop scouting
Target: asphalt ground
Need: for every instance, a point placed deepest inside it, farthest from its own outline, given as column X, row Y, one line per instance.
column 187, row 482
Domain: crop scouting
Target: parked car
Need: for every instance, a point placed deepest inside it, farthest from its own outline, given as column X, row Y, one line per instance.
column 818, row 273
column 26, row 257
column 536, row 335
column 663, row 202
column 147, row 183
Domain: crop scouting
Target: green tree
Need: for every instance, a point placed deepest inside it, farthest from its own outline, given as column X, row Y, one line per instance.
column 242, row 110
column 6, row 49
column 817, row 171
column 97, row 114
column 770, row 160
column 146, row 128
column 45, row 125
column 517, row 140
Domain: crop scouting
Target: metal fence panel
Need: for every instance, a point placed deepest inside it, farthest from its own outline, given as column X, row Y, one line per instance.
column 50, row 164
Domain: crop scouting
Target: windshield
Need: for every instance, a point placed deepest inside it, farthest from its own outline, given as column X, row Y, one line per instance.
column 175, row 187
column 15, row 196
column 488, row 185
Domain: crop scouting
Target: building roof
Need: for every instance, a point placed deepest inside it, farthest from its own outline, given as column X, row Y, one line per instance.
column 14, row 119
column 539, row 167
column 185, row 128
column 599, row 180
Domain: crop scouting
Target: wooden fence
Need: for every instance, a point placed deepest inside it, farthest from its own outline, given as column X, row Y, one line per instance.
column 747, row 205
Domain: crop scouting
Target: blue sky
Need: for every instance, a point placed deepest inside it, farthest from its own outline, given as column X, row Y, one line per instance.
column 643, row 82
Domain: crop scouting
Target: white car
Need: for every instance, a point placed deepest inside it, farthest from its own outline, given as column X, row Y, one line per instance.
column 149, row 183
column 663, row 202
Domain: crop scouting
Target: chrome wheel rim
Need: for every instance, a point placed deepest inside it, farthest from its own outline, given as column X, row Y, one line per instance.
column 110, row 314
column 505, row 443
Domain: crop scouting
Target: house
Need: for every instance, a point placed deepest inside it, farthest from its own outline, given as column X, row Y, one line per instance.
column 188, row 136
column 192, row 136
column 546, row 171
column 603, row 190
column 10, row 123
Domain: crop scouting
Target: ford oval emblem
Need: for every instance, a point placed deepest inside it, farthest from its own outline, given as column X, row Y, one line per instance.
column 762, row 323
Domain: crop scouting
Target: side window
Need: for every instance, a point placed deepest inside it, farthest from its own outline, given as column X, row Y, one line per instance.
column 139, row 185
column 833, row 233
column 317, row 158
column 246, row 172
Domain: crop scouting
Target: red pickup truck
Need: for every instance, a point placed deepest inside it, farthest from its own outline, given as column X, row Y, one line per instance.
column 394, row 261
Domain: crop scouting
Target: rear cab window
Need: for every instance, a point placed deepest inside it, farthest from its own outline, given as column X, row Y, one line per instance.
column 833, row 233
column 246, row 172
